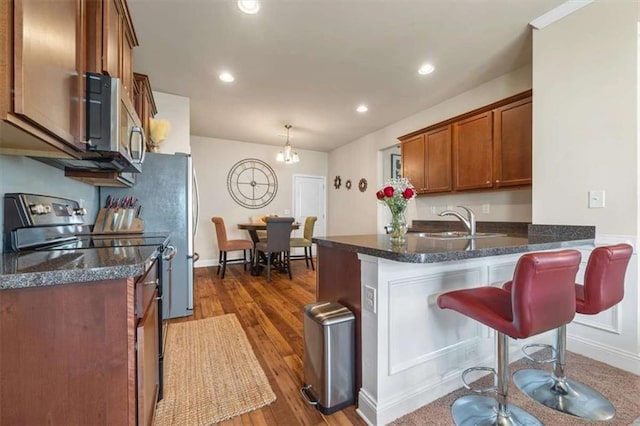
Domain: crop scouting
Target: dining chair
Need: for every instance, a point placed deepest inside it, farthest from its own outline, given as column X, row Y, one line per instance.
column 278, row 242
column 225, row 245
column 305, row 242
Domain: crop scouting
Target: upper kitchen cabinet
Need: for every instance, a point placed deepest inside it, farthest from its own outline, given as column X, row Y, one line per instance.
column 426, row 160
column 472, row 152
column 41, row 77
column 111, row 39
column 512, row 136
column 144, row 103
column 487, row 148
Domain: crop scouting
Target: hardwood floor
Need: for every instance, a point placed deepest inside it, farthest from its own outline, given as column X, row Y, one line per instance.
column 271, row 315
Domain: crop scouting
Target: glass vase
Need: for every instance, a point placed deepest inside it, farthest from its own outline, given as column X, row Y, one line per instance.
column 398, row 228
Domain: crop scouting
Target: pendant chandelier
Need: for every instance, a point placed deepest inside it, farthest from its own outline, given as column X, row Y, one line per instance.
column 287, row 155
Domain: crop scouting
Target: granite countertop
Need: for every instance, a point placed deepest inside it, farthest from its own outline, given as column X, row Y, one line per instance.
column 419, row 249
column 52, row 267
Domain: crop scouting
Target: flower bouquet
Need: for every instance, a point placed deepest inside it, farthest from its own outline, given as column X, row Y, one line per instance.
column 396, row 193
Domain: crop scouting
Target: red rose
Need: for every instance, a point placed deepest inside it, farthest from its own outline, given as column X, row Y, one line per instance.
column 408, row 193
column 388, row 191
column 380, row 195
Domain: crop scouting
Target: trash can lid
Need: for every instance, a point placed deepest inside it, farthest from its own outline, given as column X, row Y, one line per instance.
column 327, row 313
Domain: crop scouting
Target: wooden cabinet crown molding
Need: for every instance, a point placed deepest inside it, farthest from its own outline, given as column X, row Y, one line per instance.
column 497, row 104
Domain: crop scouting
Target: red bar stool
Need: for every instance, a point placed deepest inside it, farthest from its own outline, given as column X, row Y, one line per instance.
column 603, row 288
column 543, row 298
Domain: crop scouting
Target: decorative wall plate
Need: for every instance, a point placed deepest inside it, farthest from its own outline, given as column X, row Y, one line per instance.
column 347, row 184
column 252, row 183
column 362, row 185
column 337, row 182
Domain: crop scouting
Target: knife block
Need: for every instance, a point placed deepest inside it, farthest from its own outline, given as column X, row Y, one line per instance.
column 117, row 221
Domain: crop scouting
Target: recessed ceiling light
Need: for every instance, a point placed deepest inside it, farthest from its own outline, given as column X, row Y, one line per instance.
column 362, row 108
column 226, row 77
column 426, row 69
column 249, row 6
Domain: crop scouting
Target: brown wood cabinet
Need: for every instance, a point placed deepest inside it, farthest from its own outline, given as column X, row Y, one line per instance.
column 426, row 160
column 144, row 103
column 111, row 38
column 512, row 140
column 41, row 79
column 488, row 148
column 46, row 48
column 68, row 353
column 472, row 152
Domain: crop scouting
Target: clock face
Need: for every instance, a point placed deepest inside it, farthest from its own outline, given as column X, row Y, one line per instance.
column 252, row 183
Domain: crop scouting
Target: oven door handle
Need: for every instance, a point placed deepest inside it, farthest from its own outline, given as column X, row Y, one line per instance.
column 169, row 253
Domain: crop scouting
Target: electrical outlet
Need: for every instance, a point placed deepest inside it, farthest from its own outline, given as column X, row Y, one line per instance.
column 370, row 299
column 433, row 209
column 287, row 212
column 486, row 208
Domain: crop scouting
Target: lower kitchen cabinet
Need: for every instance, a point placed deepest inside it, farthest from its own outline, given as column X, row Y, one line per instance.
column 68, row 353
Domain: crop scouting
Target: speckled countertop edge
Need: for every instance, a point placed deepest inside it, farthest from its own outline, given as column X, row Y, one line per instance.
column 97, row 265
column 540, row 237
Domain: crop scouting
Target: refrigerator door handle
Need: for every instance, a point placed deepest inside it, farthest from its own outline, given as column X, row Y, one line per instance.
column 197, row 208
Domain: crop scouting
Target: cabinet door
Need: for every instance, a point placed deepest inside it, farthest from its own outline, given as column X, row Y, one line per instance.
column 472, row 152
column 49, row 66
column 112, row 33
column 413, row 162
column 438, row 160
column 512, row 144
column 147, row 362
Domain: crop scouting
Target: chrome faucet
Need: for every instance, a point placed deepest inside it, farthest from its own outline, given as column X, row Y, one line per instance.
column 469, row 222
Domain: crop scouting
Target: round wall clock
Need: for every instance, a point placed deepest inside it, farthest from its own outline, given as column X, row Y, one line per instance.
column 252, row 183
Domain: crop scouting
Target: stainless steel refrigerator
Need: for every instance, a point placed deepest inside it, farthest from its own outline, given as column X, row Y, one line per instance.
column 167, row 193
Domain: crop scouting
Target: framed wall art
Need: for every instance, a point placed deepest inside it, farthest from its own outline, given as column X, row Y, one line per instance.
column 396, row 166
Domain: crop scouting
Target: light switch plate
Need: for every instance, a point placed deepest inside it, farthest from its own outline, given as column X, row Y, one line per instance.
column 596, row 199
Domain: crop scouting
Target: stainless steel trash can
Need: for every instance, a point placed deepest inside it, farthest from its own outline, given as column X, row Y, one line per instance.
column 329, row 356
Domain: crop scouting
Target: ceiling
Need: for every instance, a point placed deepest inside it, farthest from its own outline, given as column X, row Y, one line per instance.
column 310, row 63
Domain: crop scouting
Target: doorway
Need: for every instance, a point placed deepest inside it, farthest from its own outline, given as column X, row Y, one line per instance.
column 309, row 199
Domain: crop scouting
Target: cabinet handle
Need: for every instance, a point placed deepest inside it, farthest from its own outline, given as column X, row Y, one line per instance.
column 497, row 180
column 154, row 282
column 158, row 298
column 488, row 182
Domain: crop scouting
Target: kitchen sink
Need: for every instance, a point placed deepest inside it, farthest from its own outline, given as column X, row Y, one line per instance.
column 460, row 235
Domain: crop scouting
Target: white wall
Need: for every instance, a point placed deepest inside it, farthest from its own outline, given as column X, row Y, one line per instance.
column 585, row 118
column 175, row 109
column 212, row 160
column 22, row 174
column 351, row 213
column 585, row 137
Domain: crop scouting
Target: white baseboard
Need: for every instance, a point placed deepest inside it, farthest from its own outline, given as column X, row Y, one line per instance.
column 616, row 357
column 203, row 263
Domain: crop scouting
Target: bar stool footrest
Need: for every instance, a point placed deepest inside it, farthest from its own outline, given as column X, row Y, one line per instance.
column 479, row 390
column 528, row 353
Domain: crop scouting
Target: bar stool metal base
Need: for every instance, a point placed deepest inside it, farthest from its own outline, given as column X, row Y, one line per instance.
column 566, row 396
column 474, row 410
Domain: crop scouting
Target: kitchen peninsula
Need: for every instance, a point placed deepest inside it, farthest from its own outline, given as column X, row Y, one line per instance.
column 408, row 351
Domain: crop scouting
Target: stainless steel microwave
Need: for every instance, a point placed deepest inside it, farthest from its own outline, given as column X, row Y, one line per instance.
column 113, row 126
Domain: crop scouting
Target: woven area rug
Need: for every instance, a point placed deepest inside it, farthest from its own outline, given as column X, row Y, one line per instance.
column 620, row 387
column 211, row 374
